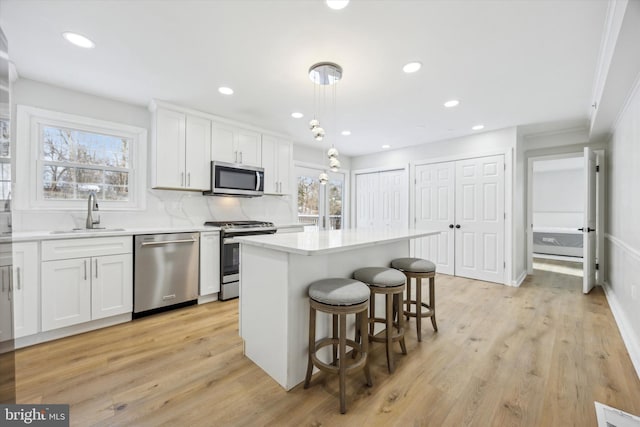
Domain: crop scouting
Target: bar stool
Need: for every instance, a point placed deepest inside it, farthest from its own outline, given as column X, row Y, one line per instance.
column 390, row 283
column 338, row 297
column 418, row 268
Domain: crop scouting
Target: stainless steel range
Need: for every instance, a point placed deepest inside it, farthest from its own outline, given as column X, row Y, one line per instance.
column 230, row 251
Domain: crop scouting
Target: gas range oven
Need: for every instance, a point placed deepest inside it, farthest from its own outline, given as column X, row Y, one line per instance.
column 230, row 251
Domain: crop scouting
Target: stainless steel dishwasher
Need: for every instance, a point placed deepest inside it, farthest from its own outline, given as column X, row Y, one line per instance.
column 166, row 271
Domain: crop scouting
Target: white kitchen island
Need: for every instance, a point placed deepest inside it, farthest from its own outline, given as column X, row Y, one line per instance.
column 275, row 273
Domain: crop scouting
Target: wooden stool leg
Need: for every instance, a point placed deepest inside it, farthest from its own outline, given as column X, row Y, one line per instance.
column 389, row 331
column 432, row 301
column 408, row 301
column 403, row 346
column 343, row 363
column 334, row 322
column 365, row 347
column 419, row 307
column 312, row 344
column 372, row 312
column 358, row 333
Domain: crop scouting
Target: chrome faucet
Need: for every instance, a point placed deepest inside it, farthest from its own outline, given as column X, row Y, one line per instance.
column 92, row 209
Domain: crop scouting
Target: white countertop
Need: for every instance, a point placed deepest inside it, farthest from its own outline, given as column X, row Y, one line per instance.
column 324, row 242
column 24, row 236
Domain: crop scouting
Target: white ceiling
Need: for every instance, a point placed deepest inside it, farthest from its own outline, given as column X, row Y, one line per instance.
column 508, row 62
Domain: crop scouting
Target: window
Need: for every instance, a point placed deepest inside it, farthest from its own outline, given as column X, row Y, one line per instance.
column 5, row 161
column 74, row 163
column 75, row 156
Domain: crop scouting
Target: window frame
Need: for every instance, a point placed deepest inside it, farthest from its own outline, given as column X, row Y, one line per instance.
column 29, row 192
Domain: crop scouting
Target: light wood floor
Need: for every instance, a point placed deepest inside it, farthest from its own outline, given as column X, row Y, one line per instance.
column 538, row 355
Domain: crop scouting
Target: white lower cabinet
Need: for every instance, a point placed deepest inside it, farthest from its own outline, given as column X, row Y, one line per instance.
column 78, row 290
column 6, row 330
column 66, row 293
column 26, row 273
column 209, row 263
column 111, row 285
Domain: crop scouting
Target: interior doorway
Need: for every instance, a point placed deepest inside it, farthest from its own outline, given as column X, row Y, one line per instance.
column 565, row 194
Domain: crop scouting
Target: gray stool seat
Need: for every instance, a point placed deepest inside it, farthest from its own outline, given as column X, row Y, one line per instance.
column 379, row 276
column 413, row 265
column 338, row 291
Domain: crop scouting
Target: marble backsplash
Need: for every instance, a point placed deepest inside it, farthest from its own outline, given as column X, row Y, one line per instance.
column 166, row 208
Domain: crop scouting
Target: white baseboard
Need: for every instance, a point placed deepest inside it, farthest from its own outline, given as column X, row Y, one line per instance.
column 518, row 281
column 71, row 330
column 633, row 346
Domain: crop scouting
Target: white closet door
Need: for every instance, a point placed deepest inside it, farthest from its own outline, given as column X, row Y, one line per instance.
column 367, row 196
column 393, row 200
column 479, row 242
column 435, row 189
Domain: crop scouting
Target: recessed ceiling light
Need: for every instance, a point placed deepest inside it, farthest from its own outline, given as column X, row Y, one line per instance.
column 78, row 40
column 478, row 127
column 346, row 132
column 412, row 67
column 451, row 103
column 297, row 115
column 385, row 146
column 337, row 4
column 225, row 90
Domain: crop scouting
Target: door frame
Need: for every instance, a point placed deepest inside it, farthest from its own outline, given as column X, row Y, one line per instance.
column 354, row 197
column 600, row 193
column 346, row 211
column 509, row 247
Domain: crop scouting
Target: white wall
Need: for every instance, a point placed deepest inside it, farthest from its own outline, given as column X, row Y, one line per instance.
column 558, row 198
column 622, row 243
column 485, row 143
column 317, row 155
column 477, row 144
column 163, row 207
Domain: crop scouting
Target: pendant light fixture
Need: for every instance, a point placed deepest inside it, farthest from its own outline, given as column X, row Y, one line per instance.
column 325, row 76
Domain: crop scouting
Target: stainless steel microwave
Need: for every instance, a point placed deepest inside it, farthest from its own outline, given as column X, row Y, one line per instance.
column 233, row 179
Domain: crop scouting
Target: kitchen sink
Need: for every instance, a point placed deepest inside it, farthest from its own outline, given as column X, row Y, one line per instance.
column 86, row 230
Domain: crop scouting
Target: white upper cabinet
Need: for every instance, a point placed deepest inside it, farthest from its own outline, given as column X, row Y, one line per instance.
column 198, row 153
column 277, row 163
column 236, row 145
column 180, row 150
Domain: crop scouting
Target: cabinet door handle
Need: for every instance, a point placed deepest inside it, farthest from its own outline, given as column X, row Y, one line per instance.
column 18, row 271
column 85, row 269
column 457, row 225
column 235, row 155
column 241, row 157
column 96, row 268
column 182, row 179
column 450, row 225
column 2, row 280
